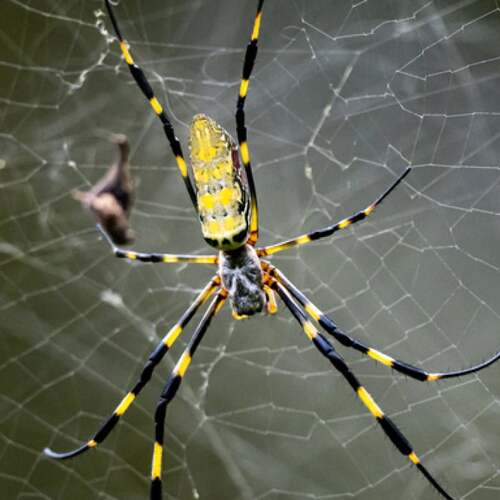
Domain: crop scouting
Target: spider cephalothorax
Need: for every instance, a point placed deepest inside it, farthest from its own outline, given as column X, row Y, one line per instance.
column 226, row 202
column 241, row 275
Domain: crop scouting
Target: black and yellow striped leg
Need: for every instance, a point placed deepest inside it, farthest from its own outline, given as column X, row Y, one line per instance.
column 144, row 85
column 241, row 129
column 165, row 258
column 388, row 426
column 330, row 327
column 171, row 387
column 271, row 305
column 155, row 357
column 329, row 230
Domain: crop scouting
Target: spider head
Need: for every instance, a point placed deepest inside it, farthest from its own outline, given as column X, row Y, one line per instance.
column 242, row 277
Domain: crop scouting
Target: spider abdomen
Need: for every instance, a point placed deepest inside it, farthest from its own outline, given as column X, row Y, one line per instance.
column 241, row 276
column 221, row 185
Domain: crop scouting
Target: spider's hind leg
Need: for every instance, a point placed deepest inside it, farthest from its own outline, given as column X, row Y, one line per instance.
column 328, row 351
column 154, row 359
column 332, row 329
column 170, row 390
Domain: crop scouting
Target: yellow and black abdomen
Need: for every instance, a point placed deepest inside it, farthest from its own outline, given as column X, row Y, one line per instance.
column 221, row 185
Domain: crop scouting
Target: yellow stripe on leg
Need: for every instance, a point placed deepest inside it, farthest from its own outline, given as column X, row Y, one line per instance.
column 309, row 330
column 131, row 255
column 220, row 304
column 265, row 251
column 155, row 104
column 254, row 230
column 243, row 88
column 182, row 364
column 92, row 443
column 380, row 357
column 126, row 53
column 157, row 458
column 256, row 26
column 172, row 335
column 344, row 223
column 182, row 165
column 301, row 240
column 270, row 250
column 313, row 311
column 432, row 377
column 245, row 156
column 198, row 259
column 238, row 317
column 169, row 259
column 369, row 402
column 125, row 403
column 209, row 259
column 413, row 457
column 271, row 306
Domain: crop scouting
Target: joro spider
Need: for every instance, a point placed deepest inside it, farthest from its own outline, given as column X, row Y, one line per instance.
column 225, row 199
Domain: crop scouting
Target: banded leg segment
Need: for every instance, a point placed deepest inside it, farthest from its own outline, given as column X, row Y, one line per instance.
column 388, row 426
column 271, row 306
column 329, row 230
column 170, row 390
column 241, row 129
column 155, row 357
column 165, row 258
column 330, row 327
column 145, row 86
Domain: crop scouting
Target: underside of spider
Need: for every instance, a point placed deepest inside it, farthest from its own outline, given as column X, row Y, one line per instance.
column 225, row 200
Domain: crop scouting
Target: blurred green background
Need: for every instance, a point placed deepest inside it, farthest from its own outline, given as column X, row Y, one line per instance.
column 345, row 96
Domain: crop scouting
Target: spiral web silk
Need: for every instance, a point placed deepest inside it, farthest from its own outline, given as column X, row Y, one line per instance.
column 345, row 97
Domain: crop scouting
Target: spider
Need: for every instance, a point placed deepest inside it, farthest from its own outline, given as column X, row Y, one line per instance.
column 224, row 197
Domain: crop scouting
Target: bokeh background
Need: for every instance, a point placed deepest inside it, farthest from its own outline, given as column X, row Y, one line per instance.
column 345, row 96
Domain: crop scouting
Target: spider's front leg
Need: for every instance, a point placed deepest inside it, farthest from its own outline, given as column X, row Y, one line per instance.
column 144, row 85
column 241, row 129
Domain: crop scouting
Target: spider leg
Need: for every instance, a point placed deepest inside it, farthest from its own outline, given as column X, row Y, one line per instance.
column 241, row 128
column 165, row 258
column 329, row 230
column 272, row 306
column 144, row 85
column 330, row 327
column 155, row 357
column 388, row 426
column 171, row 387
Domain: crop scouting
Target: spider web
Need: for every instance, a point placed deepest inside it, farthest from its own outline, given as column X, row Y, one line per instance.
column 345, row 96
